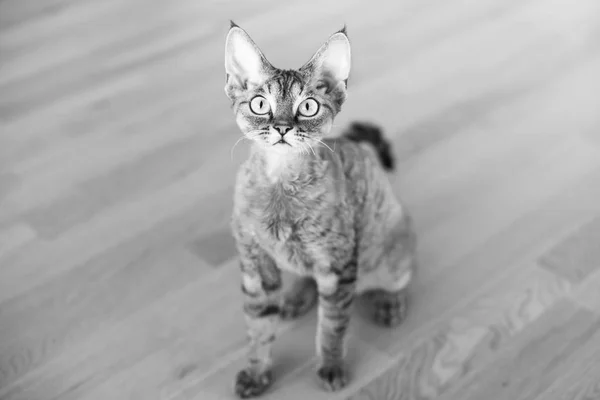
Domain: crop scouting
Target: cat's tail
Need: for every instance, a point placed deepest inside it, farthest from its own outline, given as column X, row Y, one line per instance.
column 365, row 132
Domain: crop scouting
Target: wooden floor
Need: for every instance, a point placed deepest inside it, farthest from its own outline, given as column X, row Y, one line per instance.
column 118, row 277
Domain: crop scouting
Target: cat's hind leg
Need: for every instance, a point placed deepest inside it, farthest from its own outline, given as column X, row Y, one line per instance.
column 300, row 298
column 389, row 308
column 387, row 295
column 386, row 287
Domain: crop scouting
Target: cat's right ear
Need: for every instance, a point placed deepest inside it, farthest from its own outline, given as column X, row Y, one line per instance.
column 245, row 64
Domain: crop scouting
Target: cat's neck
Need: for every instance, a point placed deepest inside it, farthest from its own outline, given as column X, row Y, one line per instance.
column 285, row 167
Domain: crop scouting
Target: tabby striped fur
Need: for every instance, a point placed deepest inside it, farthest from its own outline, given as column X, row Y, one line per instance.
column 317, row 206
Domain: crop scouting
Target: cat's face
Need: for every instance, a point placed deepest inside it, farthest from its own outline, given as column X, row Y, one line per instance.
column 285, row 111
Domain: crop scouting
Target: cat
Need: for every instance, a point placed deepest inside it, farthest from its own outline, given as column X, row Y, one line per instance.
column 320, row 207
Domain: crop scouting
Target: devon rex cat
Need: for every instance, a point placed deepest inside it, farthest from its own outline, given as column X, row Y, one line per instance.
column 320, row 207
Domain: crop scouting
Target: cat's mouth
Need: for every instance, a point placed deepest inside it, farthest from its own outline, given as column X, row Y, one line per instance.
column 281, row 141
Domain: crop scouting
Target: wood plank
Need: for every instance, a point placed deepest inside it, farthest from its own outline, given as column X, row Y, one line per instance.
column 115, row 163
column 576, row 257
column 415, row 92
column 532, row 361
column 14, row 237
column 138, row 178
column 75, row 305
column 109, row 229
column 175, row 229
column 55, row 219
column 588, row 294
column 7, row 182
column 526, row 365
column 579, row 377
column 587, row 387
column 216, row 247
column 455, row 167
column 176, row 319
column 468, row 341
column 94, row 156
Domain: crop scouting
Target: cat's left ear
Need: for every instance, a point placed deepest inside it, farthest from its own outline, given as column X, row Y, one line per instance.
column 245, row 64
column 331, row 63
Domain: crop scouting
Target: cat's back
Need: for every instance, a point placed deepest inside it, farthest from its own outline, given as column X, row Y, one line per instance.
column 359, row 160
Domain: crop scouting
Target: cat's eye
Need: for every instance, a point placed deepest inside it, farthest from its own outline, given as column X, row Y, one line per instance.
column 308, row 108
column 259, row 105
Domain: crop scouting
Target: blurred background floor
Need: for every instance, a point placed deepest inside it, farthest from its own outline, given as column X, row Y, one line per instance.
column 118, row 277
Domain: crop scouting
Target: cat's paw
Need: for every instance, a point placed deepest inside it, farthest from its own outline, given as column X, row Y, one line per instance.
column 249, row 383
column 299, row 300
column 390, row 309
column 332, row 377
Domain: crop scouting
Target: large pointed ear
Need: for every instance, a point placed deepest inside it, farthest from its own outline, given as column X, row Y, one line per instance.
column 331, row 63
column 245, row 64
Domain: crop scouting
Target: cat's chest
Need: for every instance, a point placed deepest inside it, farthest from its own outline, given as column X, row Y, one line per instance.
column 276, row 214
column 285, row 224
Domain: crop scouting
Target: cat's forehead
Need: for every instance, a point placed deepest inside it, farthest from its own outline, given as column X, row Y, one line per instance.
column 285, row 83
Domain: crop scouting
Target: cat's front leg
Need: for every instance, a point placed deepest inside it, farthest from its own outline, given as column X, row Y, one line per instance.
column 336, row 295
column 261, row 285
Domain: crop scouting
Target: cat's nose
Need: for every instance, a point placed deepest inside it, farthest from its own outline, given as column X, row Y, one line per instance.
column 283, row 129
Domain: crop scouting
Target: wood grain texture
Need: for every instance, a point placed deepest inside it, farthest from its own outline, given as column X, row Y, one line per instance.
column 216, row 246
column 118, row 276
column 532, row 361
column 152, row 329
column 471, row 339
column 588, row 294
column 14, row 237
column 577, row 377
column 576, row 257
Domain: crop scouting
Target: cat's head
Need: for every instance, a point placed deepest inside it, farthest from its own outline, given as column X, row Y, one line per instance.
column 285, row 110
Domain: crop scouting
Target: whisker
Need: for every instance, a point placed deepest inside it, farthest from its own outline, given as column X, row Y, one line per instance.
column 311, row 148
column 236, row 143
column 249, row 135
column 257, row 132
column 325, row 144
column 303, row 148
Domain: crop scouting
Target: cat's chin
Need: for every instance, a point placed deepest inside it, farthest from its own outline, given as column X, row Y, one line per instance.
column 284, row 150
column 280, row 148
